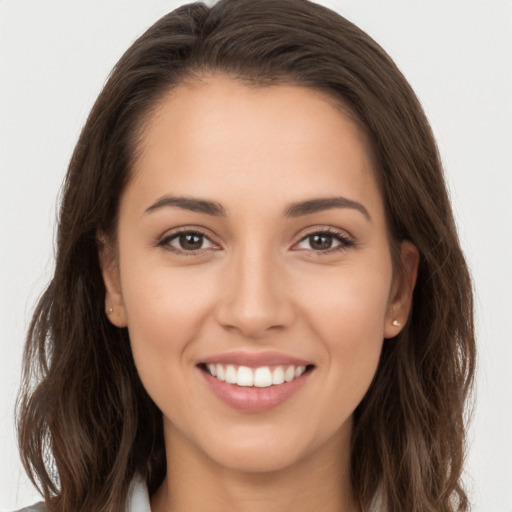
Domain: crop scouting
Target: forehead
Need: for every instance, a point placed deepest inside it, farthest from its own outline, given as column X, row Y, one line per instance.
column 217, row 136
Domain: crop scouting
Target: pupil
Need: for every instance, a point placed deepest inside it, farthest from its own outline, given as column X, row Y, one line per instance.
column 191, row 241
column 321, row 242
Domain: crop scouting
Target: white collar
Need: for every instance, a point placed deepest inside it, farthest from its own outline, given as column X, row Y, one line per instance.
column 138, row 497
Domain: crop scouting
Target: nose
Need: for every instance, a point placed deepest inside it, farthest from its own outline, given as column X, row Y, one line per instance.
column 254, row 298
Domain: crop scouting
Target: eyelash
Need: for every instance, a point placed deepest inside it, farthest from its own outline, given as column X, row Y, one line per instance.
column 344, row 242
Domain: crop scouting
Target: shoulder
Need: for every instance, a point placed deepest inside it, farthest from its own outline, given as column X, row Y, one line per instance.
column 37, row 507
column 137, row 500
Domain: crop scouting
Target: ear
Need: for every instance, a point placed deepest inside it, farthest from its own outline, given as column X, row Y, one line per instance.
column 114, row 305
column 400, row 299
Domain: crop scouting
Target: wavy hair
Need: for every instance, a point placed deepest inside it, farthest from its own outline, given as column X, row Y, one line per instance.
column 86, row 425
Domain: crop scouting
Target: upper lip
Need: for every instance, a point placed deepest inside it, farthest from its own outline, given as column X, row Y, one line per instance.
column 255, row 359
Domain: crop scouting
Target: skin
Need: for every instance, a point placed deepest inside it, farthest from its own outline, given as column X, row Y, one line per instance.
column 257, row 283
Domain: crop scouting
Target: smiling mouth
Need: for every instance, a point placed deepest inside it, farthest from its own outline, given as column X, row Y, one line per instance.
column 259, row 377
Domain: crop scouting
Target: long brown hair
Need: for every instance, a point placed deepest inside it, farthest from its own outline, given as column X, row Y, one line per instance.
column 87, row 426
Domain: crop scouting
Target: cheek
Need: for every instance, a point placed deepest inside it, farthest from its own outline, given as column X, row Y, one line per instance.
column 350, row 302
column 165, row 307
column 347, row 314
column 162, row 305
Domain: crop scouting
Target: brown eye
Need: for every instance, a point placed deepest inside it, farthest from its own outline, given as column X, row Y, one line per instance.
column 187, row 241
column 320, row 242
column 190, row 242
column 325, row 241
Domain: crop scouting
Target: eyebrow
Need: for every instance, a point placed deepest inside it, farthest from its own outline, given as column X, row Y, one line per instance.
column 189, row 203
column 325, row 203
column 294, row 210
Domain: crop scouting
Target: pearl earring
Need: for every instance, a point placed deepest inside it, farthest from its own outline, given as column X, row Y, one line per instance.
column 396, row 323
column 109, row 310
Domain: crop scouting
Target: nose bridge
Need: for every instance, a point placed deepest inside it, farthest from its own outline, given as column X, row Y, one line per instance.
column 254, row 297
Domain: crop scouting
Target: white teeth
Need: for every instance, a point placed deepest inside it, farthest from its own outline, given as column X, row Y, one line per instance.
column 245, row 377
column 278, row 375
column 289, row 374
column 261, row 377
column 230, row 374
column 220, row 372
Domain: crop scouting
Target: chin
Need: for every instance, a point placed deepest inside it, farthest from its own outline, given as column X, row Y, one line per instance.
column 266, row 451
column 257, row 460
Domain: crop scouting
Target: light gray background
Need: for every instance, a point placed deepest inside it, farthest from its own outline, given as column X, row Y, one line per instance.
column 457, row 54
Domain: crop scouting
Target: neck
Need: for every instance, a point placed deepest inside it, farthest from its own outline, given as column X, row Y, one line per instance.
column 321, row 481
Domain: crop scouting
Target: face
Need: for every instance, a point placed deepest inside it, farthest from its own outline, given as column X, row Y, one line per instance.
column 252, row 247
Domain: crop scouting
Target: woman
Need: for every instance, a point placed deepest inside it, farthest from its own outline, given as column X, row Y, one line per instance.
column 259, row 298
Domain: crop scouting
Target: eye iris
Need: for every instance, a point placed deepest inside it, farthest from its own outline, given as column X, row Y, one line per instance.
column 320, row 242
column 191, row 241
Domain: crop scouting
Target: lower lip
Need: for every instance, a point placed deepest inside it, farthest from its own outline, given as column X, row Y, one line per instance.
column 253, row 399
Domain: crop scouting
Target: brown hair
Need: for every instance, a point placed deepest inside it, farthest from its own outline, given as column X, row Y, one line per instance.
column 87, row 426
